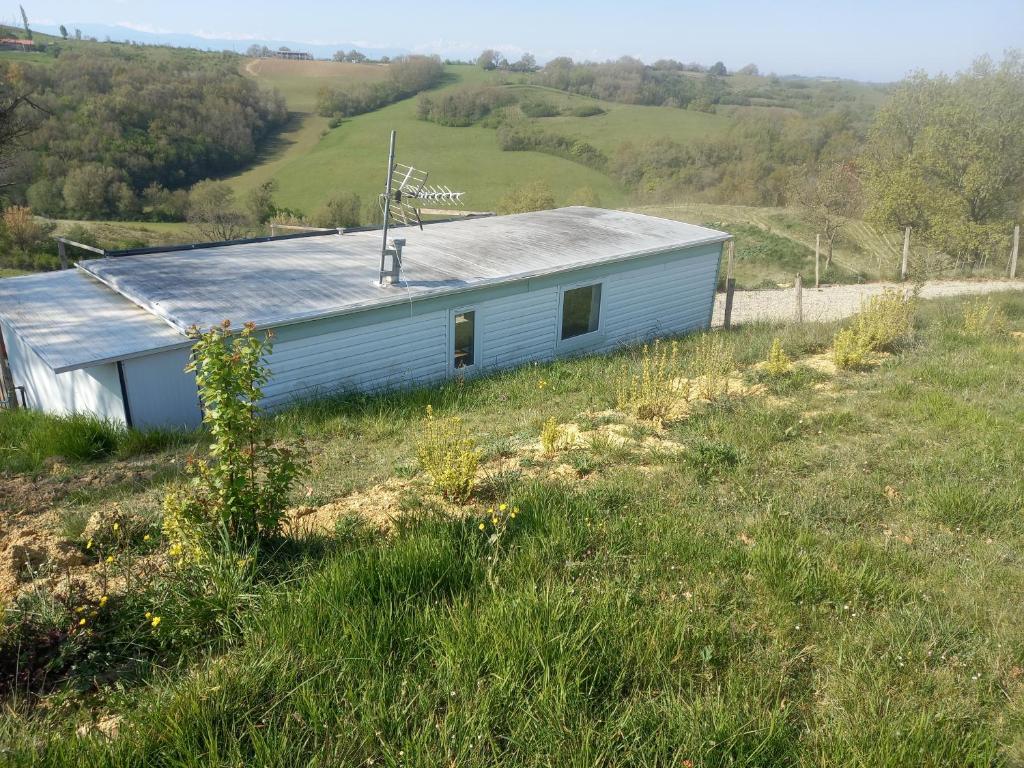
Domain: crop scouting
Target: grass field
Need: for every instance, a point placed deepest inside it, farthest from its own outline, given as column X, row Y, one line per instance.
column 809, row 574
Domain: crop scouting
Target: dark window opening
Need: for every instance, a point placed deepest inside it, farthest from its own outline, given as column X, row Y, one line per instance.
column 465, row 339
column 581, row 311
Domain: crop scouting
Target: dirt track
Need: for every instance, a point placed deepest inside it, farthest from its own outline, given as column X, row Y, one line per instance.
column 838, row 301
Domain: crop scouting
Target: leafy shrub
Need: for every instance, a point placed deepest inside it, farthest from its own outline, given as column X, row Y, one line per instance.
column 462, row 106
column 550, row 435
column 712, row 362
column 882, row 321
column 885, row 319
column 983, row 318
column 345, row 209
column 848, row 350
column 778, row 362
column 449, row 456
column 586, row 110
column 407, row 76
column 241, row 489
column 650, row 392
column 530, row 197
column 538, row 108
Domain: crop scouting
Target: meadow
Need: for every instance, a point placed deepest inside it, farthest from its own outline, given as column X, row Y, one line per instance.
column 807, row 571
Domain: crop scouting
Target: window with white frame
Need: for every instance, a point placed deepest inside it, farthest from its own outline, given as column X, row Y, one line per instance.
column 464, row 339
column 581, row 311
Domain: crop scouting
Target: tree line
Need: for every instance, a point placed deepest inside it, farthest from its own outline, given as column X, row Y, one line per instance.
column 407, row 76
column 114, row 133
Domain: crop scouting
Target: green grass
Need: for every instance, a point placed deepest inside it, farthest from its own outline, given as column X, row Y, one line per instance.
column 829, row 579
column 29, row 438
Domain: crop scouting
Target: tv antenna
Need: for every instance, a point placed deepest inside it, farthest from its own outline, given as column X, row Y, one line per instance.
column 404, row 196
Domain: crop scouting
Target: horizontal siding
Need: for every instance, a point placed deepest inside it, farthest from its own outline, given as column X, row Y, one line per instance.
column 389, row 354
column 664, row 299
column 517, row 329
column 160, row 392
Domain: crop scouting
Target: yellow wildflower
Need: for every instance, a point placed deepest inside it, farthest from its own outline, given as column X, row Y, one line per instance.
column 148, row 615
column 481, row 526
column 103, row 601
column 79, row 609
column 116, row 526
column 110, row 558
column 88, row 544
column 147, row 537
column 502, row 507
column 155, row 622
column 81, row 622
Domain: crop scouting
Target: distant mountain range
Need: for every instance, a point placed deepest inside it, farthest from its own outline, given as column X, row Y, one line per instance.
column 184, row 40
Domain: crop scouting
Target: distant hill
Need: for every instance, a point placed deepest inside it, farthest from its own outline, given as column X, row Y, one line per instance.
column 185, row 40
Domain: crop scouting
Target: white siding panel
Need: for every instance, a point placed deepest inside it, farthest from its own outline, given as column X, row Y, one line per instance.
column 395, row 353
column 160, row 393
column 95, row 390
column 520, row 328
column 658, row 300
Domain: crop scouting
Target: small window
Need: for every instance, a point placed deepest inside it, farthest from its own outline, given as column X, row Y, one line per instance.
column 465, row 340
column 581, row 311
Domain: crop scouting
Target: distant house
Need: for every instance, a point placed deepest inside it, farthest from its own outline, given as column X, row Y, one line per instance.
column 108, row 338
column 14, row 44
column 294, row 55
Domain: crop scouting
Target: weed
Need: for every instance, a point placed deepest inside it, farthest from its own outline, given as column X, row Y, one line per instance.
column 983, row 318
column 883, row 321
column 778, row 363
column 650, row 392
column 712, row 362
column 449, row 456
column 848, row 349
column 550, row 436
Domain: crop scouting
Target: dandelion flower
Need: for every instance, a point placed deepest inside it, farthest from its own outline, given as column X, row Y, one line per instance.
column 110, row 558
column 481, row 526
column 147, row 537
column 103, row 601
column 81, row 622
column 502, row 507
column 155, row 622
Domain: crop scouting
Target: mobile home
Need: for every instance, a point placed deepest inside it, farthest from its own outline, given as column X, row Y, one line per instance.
column 109, row 337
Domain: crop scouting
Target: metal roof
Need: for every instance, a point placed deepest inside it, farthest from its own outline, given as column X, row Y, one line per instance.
column 277, row 283
column 73, row 321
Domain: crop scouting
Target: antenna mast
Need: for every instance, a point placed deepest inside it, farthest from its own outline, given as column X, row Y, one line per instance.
column 405, row 191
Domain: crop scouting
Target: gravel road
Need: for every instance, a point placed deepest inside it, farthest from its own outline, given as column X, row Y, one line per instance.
column 834, row 302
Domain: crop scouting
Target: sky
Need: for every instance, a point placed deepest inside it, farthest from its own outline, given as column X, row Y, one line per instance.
column 866, row 40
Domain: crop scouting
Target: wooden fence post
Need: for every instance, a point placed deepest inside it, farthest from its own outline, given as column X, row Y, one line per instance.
column 905, row 267
column 817, row 261
column 1013, row 253
column 62, row 252
column 730, row 285
column 799, row 290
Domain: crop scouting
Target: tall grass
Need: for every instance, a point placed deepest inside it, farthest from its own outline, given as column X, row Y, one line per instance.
column 29, row 438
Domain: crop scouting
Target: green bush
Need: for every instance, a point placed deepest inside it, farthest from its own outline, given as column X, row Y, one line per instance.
column 239, row 491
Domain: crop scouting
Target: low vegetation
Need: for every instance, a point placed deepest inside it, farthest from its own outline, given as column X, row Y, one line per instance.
column 783, row 579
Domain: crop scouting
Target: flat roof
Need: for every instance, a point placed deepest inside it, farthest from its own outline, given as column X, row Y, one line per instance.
column 290, row 281
column 116, row 308
column 72, row 321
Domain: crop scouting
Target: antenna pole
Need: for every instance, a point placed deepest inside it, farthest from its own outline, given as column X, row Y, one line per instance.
column 387, row 206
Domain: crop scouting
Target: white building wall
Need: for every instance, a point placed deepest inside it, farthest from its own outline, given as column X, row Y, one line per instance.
column 160, row 393
column 95, row 390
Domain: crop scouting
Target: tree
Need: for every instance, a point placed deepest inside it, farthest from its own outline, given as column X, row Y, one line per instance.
column 829, row 196
column 526, row 63
column 213, row 214
column 530, row 197
column 78, row 34
column 488, row 59
column 342, row 210
column 24, row 231
column 63, row 31
column 24, row 21
column 718, row 69
column 18, row 112
column 750, row 69
column 946, row 156
column 260, row 202
column 339, row 56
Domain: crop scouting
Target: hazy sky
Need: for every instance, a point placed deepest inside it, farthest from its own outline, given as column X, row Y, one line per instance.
column 869, row 39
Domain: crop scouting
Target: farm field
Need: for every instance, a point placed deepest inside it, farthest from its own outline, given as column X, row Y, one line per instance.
column 806, row 571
